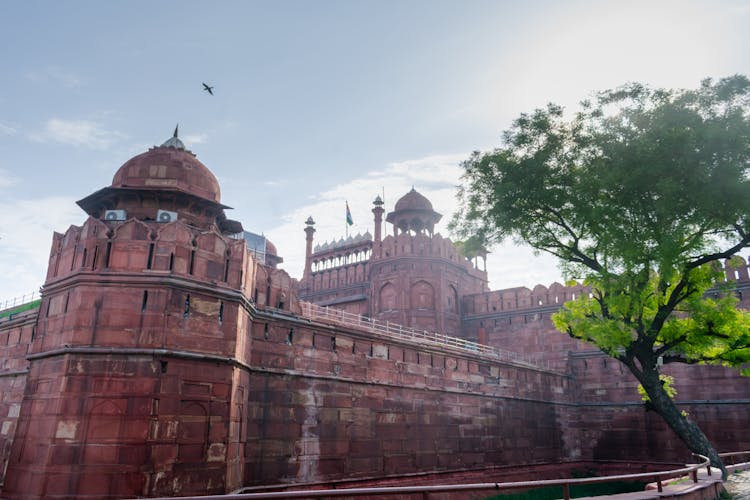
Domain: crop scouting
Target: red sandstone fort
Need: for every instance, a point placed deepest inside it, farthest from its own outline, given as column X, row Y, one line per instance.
column 170, row 356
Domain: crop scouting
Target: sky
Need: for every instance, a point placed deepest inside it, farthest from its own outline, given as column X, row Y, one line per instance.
column 315, row 103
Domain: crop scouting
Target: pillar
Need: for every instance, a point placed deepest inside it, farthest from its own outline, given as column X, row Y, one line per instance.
column 378, row 211
column 309, row 230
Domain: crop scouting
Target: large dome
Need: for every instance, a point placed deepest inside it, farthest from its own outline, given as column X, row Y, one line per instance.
column 413, row 201
column 171, row 167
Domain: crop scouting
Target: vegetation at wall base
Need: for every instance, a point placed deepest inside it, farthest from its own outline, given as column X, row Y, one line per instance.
column 576, row 491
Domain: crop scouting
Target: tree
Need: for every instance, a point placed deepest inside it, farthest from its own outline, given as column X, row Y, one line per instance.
column 641, row 194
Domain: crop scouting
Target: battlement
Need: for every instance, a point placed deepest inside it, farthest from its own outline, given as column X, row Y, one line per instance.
column 540, row 297
column 152, row 247
column 422, row 245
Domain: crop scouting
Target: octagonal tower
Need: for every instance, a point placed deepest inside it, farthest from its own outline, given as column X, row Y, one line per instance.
column 133, row 386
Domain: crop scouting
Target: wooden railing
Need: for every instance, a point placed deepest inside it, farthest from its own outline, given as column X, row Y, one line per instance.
column 737, row 460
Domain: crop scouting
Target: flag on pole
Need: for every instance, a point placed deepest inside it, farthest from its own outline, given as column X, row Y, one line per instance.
column 349, row 219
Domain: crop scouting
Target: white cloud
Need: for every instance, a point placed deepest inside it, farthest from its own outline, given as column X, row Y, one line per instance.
column 79, row 133
column 190, row 140
column 26, row 228
column 6, row 129
column 275, row 183
column 7, row 179
column 436, row 177
column 55, row 75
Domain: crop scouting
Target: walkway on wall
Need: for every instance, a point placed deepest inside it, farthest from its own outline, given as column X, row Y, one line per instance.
column 15, row 302
column 738, row 485
column 335, row 316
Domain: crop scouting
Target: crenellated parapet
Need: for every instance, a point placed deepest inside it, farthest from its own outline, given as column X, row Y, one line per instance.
column 174, row 248
column 522, row 298
column 425, row 246
column 344, row 252
column 735, row 272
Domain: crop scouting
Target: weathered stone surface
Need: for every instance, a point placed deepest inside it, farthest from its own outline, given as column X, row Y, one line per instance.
column 165, row 360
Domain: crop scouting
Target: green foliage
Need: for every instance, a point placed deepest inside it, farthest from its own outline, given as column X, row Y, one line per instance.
column 576, row 491
column 667, row 382
column 471, row 247
column 641, row 194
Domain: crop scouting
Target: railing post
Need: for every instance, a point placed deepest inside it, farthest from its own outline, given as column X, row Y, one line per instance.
column 658, row 484
column 695, row 476
column 566, row 491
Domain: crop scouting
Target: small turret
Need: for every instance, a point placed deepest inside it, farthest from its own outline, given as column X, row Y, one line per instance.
column 378, row 241
column 309, row 231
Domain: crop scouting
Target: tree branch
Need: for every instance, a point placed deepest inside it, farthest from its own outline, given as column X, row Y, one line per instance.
column 705, row 259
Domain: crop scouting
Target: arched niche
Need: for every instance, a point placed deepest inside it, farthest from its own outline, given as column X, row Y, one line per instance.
column 387, row 298
column 422, row 295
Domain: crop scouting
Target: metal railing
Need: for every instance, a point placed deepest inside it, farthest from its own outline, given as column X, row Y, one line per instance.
column 388, row 329
column 658, row 477
column 19, row 301
column 732, row 461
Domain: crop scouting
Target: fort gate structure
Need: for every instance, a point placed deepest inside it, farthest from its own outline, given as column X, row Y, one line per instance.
column 169, row 357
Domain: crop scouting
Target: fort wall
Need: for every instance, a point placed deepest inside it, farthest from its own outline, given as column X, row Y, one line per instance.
column 320, row 394
column 263, row 395
column 16, row 334
column 165, row 360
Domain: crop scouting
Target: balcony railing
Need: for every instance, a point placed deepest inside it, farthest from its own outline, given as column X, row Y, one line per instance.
column 19, row 301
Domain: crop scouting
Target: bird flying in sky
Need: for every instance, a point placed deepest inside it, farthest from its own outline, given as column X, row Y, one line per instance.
column 208, row 89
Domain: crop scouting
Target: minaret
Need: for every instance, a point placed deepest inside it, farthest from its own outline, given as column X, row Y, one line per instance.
column 309, row 230
column 378, row 211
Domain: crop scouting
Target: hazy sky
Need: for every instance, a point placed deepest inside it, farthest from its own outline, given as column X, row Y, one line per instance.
column 316, row 102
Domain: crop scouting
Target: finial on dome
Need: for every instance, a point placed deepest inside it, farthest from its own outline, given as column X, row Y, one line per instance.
column 174, row 141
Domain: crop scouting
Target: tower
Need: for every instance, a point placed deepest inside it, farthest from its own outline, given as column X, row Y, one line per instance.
column 134, row 386
column 309, row 231
column 377, row 245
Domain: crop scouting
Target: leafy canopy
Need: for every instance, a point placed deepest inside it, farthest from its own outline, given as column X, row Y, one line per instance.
column 641, row 194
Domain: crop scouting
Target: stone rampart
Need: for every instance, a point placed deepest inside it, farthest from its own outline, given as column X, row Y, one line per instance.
column 330, row 403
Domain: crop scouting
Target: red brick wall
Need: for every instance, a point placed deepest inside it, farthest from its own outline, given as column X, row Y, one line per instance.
column 189, row 405
column 373, row 408
column 609, row 420
column 16, row 333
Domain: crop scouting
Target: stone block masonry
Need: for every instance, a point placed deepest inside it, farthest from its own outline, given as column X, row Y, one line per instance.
column 166, row 358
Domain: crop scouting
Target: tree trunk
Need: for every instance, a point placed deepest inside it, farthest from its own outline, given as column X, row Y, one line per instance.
column 687, row 430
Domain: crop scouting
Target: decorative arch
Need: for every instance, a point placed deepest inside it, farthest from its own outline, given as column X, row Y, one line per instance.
column 387, row 297
column 105, row 420
column 192, row 435
column 133, row 229
column 452, row 299
column 422, row 295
